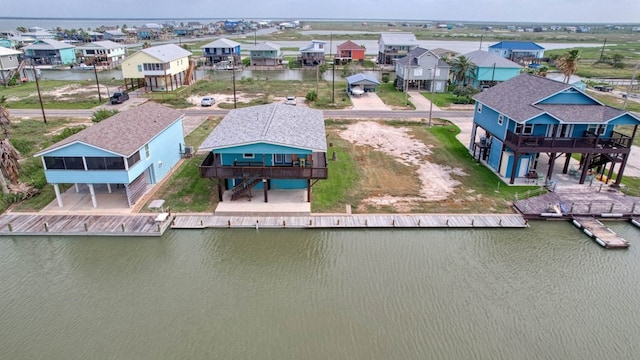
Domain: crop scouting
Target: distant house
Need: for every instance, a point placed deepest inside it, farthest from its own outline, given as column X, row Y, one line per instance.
column 125, row 152
column 220, row 51
column 422, row 69
column 40, row 35
column 106, row 53
column 349, row 51
column 361, row 83
column 159, row 68
column 268, row 147
column 234, row 26
column 149, row 31
column 266, row 54
column 115, row 36
column 518, row 51
column 183, row 31
column 517, row 120
column 444, row 53
column 490, row 68
column 7, row 43
column 313, row 54
column 51, row 52
column 9, row 63
column 393, row 46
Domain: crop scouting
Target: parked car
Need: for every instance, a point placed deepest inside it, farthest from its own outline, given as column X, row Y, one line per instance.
column 291, row 100
column 119, row 97
column 207, row 101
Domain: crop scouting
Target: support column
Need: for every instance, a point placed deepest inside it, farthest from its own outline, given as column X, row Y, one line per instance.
column 516, row 160
column 610, row 171
column 220, row 189
column 552, row 162
column 109, row 188
column 585, row 168
column 264, row 186
column 308, row 190
column 56, row 188
column 76, row 187
column 566, row 164
column 473, row 137
column 94, row 201
column 622, row 166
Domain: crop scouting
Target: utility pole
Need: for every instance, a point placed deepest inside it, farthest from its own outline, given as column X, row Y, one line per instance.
column 333, row 72
column 233, row 70
column 633, row 77
column 481, row 36
column 35, row 75
column 95, row 72
column 602, row 51
column 433, row 83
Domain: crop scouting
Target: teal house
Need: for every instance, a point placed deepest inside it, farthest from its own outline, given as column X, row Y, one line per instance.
column 490, row 69
column 268, row 147
column 517, row 120
column 518, row 51
column 51, row 52
column 130, row 152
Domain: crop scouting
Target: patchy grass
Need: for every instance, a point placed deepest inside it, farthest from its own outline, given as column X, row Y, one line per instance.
column 56, row 94
column 393, row 97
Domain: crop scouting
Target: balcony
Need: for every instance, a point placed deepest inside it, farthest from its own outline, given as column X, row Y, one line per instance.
column 590, row 143
column 212, row 168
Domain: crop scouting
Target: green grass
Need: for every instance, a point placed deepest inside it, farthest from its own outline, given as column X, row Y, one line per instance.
column 393, row 97
column 440, row 99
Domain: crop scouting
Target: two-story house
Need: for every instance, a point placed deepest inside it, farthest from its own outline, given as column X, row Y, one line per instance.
column 518, row 120
column 490, row 68
column 422, row 69
column 349, row 51
column 313, row 54
column 104, row 53
column 524, row 52
column 221, row 50
column 268, row 147
column 51, row 52
column 115, row 36
column 9, row 63
column 393, row 46
column 126, row 152
column 266, row 54
column 159, row 68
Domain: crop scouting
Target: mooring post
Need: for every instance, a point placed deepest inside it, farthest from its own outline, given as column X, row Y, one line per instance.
column 571, row 210
column 122, row 225
column 418, row 222
column 158, row 227
column 447, row 222
column 611, row 209
column 366, row 222
column 228, row 223
column 86, row 227
column 284, row 223
column 46, row 227
column 472, row 220
column 10, row 225
column 393, row 222
column 338, row 222
column 310, row 222
column 633, row 208
column 500, row 222
column 589, row 208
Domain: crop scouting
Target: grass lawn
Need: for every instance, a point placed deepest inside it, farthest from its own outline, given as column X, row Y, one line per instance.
column 393, row 97
column 440, row 99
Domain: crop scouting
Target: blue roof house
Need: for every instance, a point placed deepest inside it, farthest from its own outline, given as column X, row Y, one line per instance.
column 362, row 82
column 51, row 52
column 126, row 152
column 490, row 68
column 220, row 51
column 268, row 147
column 518, row 51
column 517, row 120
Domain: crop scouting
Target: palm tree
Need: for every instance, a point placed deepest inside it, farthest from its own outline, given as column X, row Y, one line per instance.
column 463, row 68
column 9, row 156
column 568, row 64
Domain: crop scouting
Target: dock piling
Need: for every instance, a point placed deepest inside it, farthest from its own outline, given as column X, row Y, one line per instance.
column 122, row 225
column 86, row 227
column 10, row 225
column 46, row 226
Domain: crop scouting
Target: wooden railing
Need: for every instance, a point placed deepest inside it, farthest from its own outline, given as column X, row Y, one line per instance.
column 212, row 168
column 563, row 144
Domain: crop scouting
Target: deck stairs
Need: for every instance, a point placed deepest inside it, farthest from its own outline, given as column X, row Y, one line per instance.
column 22, row 66
column 244, row 188
column 190, row 71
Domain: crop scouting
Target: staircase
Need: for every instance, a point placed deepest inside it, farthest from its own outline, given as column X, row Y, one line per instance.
column 22, row 66
column 189, row 75
column 601, row 159
column 245, row 187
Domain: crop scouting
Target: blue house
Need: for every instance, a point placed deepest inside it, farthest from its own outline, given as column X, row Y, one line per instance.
column 130, row 150
column 220, row 51
column 490, row 68
column 517, row 120
column 268, row 147
column 51, row 52
column 518, row 51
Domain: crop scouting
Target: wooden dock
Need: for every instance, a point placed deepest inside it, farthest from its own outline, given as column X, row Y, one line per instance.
column 200, row 221
column 601, row 234
column 34, row 224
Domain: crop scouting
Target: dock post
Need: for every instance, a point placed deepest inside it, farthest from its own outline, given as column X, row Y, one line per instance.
column 500, row 222
column 159, row 227
column 310, row 222
column 447, row 222
column 46, row 227
column 366, row 222
column 472, row 220
column 284, row 223
column 418, row 222
column 122, row 227
column 571, row 210
column 86, row 227
column 611, row 209
column 633, row 208
column 228, row 223
column 338, row 222
column 10, row 225
column 589, row 208
column 257, row 225
column 393, row 222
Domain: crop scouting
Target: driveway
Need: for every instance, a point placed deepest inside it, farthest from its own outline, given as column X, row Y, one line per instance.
column 420, row 102
column 368, row 101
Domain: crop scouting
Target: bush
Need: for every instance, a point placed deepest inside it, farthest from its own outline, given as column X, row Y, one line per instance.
column 311, row 96
column 385, row 78
column 246, row 62
column 102, row 114
column 67, row 132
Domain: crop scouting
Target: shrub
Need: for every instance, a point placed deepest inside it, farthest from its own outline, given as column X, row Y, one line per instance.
column 311, row 96
column 102, row 114
column 67, row 132
column 385, row 78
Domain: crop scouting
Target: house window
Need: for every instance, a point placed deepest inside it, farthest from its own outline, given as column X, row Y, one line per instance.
column 63, row 163
column 139, row 68
column 479, row 107
column 500, row 119
column 597, row 129
column 147, row 153
column 133, row 159
column 248, row 156
column 524, row 129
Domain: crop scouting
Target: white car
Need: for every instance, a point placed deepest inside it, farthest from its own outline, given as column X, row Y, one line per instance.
column 207, row 101
column 291, row 100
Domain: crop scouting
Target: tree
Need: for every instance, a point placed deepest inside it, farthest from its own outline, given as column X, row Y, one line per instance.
column 9, row 162
column 568, row 64
column 21, row 29
column 146, row 45
column 462, row 66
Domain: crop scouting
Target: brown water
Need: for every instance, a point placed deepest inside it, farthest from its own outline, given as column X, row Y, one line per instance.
column 547, row 292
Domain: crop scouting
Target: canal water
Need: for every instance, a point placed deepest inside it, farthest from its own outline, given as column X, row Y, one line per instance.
column 547, row 292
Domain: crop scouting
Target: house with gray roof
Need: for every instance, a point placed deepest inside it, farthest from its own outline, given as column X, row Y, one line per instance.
column 490, row 68
column 517, row 120
column 105, row 53
column 423, row 70
column 9, row 63
column 221, row 50
column 159, row 68
column 392, row 46
column 313, row 54
column 127, row 152
column 115, row 35
column 268, row 147
column 360, row 83
column 50, row 52
column 266, row 54
column 524, row 52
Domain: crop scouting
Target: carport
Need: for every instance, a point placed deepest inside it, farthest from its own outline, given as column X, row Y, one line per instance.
column 361, row 83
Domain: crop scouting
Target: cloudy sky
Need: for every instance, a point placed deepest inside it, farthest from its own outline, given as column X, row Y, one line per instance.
column 566, row 11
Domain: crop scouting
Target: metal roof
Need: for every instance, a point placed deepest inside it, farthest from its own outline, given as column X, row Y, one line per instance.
column 221, row 43
column 266, row 46
column 483, row 58
column 104, row 44
column 516, row 45
column 48, row 44
column 357, row 78
column 167, row 53
column 278, row 124
column 399, row 39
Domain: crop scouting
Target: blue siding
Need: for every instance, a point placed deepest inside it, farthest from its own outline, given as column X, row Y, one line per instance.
column 488, row 119
column 625, row 120
column 166, row 148
column 87, row 177
column 68, row 56
column 78, row 149
column 499, row 74
column 494, row 154
column 280, row 184
column 566, row 98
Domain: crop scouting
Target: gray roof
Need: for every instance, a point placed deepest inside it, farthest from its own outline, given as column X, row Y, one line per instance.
column 126, row 132
column 518, row 99
column 486, row 59
column 104, row 44
column 115, row 33
column 266, row 46
column 5, row 51
column 48, row 44
column 399, row 39
column 362, row 78
column 167, row 53
column 278, row 124
column 221, row 43
column 413, row 55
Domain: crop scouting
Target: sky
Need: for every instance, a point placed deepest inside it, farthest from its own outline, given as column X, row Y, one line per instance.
column 545, row 11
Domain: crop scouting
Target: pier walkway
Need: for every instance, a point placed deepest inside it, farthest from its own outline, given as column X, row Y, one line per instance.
column 602, row 235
